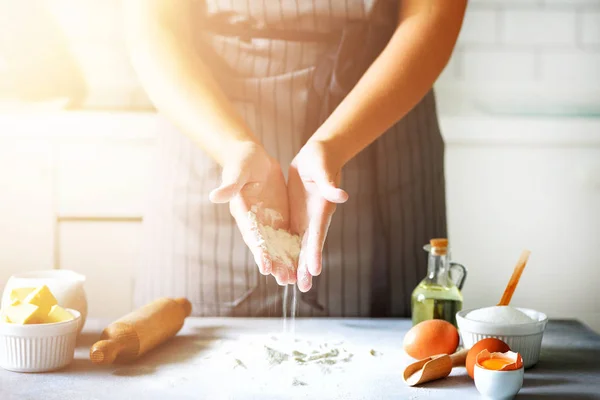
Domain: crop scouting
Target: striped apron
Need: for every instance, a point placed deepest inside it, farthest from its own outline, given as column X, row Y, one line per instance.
column 286, row 67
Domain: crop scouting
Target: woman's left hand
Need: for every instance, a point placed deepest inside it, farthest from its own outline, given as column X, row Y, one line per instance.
column 313, row 194
column 251, row 178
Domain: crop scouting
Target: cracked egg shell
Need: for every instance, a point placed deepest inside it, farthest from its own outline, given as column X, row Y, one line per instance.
column 508, row 361
column 493, row 345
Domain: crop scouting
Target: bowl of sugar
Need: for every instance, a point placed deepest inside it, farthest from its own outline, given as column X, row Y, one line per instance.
column 521, row 329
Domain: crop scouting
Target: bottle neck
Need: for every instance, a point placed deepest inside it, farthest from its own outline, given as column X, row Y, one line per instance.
column 437, row 269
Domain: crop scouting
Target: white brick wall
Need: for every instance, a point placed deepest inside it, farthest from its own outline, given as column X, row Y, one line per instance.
column 538, row 42
column 590, row 28
column 507, row 2
column 575, row 67
column 570, row 3
column 499, row 65
column 480, row 27
column 537, row 27
column 506, row 42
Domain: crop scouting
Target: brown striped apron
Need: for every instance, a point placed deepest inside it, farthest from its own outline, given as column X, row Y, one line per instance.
column 286, row 66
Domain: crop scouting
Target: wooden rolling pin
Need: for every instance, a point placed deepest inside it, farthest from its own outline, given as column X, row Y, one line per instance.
column 140, row 331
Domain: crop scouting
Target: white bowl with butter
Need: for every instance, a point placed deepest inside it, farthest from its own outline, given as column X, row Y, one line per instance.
column 38, row 347
column 523, row 336
column 65, row 285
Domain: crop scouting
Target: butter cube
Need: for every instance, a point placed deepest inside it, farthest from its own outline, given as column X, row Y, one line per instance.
column 19, row 294
column 23, row 313
column 58, row 314
column 43, row 298
column 14, row 302
column 3, row 316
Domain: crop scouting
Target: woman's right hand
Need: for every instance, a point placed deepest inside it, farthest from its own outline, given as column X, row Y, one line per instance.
column 252, row 178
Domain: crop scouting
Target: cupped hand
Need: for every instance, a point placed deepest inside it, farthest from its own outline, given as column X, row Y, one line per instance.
column 313, row 192
column 252, row 178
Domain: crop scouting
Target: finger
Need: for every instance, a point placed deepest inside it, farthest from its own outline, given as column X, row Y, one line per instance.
column 251, row 235
column 315, row 239
column 304, row 278
column 261, row 256
column 262, row 260
column 291, row 278
column 232, row 182
column 225, row 192
column 330, row 192
column 281, row 273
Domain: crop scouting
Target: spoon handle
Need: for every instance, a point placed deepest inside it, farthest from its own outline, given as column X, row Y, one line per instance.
column 514, row 279
column 459, row 358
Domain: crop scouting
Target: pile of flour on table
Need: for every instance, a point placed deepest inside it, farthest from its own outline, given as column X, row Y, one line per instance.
column 288, row 360
column 280, row 244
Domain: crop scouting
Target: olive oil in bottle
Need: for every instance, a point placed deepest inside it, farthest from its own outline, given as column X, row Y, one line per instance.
column 438, row 296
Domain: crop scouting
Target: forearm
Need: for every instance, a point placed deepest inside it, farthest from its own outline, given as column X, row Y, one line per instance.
column 177, row 80
column 397, row 80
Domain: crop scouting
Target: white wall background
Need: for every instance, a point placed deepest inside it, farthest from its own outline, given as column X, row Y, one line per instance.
column 522, row 52
column 519, row 176
column 529, row 41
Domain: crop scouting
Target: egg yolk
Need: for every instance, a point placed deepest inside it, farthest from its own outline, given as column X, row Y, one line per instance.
column 495, row 364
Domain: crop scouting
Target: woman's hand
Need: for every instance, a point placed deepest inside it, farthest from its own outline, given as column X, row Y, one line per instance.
column 313, row 194
column 252, row 178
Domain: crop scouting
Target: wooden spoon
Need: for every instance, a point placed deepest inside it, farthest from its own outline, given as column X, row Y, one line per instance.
column 514, row 279
column 434, row 367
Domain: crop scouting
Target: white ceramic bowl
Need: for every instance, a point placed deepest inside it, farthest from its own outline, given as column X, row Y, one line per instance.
column 65, row 285
column 38, row 347
column 525, row 339
column 498, row 385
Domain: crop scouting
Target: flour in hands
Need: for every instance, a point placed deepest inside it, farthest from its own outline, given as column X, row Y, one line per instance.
column 281, row 245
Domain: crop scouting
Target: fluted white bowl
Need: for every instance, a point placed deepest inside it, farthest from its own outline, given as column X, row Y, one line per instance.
column 38, row 347
column 525, row 339
column 65, row 285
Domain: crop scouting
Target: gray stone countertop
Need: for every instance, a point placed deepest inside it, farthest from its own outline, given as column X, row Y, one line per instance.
column 193, row 365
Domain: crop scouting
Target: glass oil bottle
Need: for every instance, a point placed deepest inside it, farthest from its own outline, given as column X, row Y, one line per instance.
column 438, row 296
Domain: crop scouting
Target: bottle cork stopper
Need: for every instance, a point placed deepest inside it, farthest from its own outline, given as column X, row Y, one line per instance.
column 439, row 245
column 442, row 242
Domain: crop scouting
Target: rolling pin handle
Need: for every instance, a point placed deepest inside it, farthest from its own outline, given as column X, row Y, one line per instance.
column 105, row 351
column 185, row 303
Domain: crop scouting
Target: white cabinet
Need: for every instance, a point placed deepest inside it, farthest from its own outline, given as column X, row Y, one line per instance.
column 26, row 204
column 106, row 253
column 72, row 188
column 101, row 186
column 102, row 178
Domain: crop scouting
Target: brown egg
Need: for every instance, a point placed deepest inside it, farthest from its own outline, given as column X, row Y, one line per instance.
column 431, row 337
column 492, row 345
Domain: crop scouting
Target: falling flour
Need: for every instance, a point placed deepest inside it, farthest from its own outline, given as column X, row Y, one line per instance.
column 279, row 244
column 289, row 310
column 282, row 247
